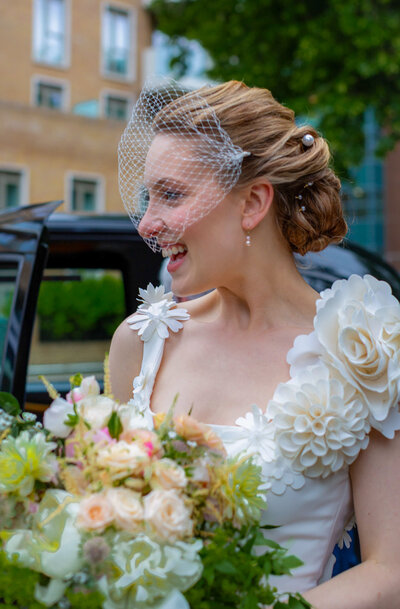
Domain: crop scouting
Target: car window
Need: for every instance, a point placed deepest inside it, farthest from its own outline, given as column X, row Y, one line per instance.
column 77, row 313
column 8, row 281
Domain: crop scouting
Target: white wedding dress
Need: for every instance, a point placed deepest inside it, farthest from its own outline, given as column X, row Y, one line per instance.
column 345, row 380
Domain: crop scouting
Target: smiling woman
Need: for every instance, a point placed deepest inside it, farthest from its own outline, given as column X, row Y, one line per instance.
column 235, row 187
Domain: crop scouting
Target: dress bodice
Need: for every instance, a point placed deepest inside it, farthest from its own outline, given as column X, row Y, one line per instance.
column 345, row 380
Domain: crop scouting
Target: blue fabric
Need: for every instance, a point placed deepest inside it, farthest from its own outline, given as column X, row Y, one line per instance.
column 347, row 557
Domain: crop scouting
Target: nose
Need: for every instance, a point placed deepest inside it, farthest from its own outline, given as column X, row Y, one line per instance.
column 151, row 225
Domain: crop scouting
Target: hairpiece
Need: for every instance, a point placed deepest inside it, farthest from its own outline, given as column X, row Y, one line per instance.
column 299, row 197
column 307, row 140
column 167, row 185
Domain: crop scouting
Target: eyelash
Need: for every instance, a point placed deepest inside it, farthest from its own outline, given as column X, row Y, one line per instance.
column 172, row 195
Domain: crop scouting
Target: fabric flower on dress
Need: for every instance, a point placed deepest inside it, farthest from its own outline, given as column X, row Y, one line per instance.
column 256, row 436
column 158, row 314
column 357, row 331
column 321, row 422
column 358, row 326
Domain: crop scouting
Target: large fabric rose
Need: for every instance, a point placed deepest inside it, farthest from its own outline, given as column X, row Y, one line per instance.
column 358, row 325
column 321, row 422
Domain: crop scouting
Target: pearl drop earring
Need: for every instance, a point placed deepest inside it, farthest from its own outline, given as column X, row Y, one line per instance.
column 248, row 239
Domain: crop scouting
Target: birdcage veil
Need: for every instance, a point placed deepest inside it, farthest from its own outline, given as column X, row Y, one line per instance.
column 179, row 179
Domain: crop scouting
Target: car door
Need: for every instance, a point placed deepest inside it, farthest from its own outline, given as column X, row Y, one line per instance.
column 23, row 253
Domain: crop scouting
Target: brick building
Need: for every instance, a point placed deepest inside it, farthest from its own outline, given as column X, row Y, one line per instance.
column 70, row 71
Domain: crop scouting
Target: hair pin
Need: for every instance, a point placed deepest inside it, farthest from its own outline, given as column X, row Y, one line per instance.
column 307, row 140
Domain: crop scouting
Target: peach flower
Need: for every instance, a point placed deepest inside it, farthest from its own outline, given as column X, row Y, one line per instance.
column 128, row 509
column 167, row 514
column 167, row 474
column 95, row 512
column 194, row 431
column 122, row 459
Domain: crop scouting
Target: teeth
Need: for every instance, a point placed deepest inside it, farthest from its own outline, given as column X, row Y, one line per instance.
column 173, row 250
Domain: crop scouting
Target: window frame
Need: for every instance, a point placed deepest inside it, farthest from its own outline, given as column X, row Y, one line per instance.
column 39, row 79
column 131, row 11
column 106, row 93
column 88, row 177
column 24, row 184
column 66, row 60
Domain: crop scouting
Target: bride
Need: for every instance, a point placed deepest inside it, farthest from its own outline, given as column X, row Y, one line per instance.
column 228, row 187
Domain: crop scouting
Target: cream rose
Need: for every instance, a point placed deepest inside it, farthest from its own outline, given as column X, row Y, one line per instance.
column 358, row 326
column 96, row 410
column 168, row 515
column 167, row 474
column 122, row 459
column 128, row 510
column 95, row 512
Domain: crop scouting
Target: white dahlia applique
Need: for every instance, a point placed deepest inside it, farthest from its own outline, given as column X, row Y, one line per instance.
column 321, row 422
column 256, row 436
column 158, row 314
column 358, row 327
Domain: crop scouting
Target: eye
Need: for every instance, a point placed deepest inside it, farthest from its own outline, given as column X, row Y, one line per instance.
column 143, row 199
column 172, row 195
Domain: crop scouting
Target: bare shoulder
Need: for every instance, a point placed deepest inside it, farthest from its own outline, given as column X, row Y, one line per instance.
column 126, row 352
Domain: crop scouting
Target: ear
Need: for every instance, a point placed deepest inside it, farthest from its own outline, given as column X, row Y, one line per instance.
column 256, row 203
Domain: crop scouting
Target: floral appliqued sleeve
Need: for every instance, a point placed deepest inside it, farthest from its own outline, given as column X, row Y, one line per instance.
column 155, row 318
column 345, row 378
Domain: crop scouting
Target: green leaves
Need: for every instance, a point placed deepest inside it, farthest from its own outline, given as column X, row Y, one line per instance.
column 235, row 577
column 330, row 59
column 115, row 426
column 9, row 403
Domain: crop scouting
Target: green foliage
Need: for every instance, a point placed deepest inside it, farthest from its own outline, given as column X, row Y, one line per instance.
column 80, row 310
column 9, row 403
column 17, row 587
column 114, row 425
column 234, row 572
column 329, row 61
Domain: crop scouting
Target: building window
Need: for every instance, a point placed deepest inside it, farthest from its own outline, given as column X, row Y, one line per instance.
column 10, row 188
column 116, row 41
column 49, row 95
column 49, row 33
column 116, row 107
column 85, row 195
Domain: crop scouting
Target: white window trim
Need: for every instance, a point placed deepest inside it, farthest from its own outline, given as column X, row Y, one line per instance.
column 133, row 34
column 25, row 179
column 51, row 80
column 104, row 93
column 82, row 175
column 66, row 63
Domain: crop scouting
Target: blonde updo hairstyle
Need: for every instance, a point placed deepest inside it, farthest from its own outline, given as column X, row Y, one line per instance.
column 257, row 123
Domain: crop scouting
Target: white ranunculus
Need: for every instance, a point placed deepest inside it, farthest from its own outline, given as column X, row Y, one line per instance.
column 96, row 410
column 128, row 509
column 320, row 420
column 167, row 514
column 149, row 573
column 55, row 416
column 358, row 326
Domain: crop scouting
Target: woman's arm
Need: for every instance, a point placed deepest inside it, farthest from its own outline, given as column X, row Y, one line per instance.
column 126, row 353
column 375, row 583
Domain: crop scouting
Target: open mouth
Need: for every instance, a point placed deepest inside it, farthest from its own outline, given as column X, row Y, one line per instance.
column 174, row 252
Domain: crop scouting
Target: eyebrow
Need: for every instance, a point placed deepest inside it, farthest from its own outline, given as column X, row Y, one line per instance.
column 166, row 183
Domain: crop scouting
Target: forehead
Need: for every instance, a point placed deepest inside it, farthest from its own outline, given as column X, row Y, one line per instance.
column 172, row 156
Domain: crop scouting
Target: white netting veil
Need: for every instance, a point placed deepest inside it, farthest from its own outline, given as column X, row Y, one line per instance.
column 176, row 162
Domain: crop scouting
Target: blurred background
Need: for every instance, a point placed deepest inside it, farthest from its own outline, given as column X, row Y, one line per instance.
column 71, row 70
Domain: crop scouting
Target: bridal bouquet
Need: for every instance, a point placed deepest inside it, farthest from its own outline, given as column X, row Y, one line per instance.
column 102, row 507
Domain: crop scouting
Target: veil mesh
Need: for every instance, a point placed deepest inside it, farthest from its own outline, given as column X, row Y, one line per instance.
column 176, row 162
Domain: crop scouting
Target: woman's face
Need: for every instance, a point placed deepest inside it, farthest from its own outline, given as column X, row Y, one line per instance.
column 188, row 215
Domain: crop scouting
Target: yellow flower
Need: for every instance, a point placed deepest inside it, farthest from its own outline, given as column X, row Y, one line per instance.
column 25, row 459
